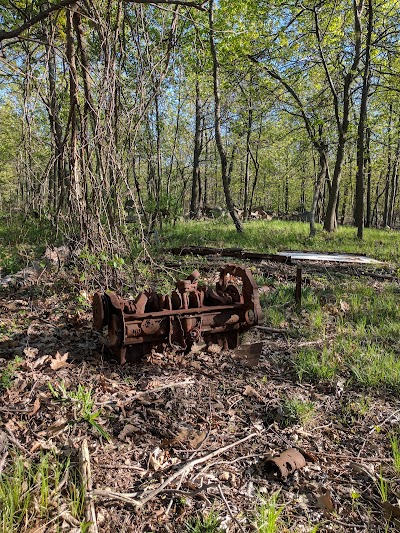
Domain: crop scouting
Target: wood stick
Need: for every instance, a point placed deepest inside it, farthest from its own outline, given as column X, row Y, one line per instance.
column 156, row 389
column 84, row 466
column 127, row 498
column 3, row 461
column 271, row 330
column 230, row 510
column 392, row 415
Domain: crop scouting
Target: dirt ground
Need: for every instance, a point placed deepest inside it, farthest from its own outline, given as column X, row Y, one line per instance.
column 172, row 409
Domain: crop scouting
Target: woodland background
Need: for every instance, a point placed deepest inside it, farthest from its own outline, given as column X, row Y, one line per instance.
column 168, row 108
column 124, row 125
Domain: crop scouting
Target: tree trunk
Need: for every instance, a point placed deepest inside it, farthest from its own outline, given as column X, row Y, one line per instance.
column 359, row 199
column 56, row 180
column 368, row 171
column 330, row 223
column 256, row 165
column 205, row 197
column 74, row 185
column 389, row 169
column 195, row 197
column 323, row 169
column 287, row 192
column 394, row 184
column 247, row 167
column 217, row 118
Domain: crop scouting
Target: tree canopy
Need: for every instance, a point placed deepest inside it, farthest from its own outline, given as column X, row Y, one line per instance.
column 172, row 107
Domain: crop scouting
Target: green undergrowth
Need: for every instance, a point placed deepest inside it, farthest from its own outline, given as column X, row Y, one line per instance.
column 297, row 411
column 348, row 327
column 204, row 523
column 277, row 235
column 36, row 495
column 83, row 403
column 21, row 241
column 7, row 374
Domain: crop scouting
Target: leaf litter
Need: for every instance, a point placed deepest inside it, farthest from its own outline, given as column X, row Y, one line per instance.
column 203, row 422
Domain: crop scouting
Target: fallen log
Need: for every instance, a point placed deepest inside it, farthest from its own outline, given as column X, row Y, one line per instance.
column 230, row 252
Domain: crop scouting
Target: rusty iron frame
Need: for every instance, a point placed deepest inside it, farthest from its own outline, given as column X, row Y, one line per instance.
column 190, row 315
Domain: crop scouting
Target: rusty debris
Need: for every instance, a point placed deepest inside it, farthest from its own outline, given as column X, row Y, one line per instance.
column 286, row 463
column 191, row 315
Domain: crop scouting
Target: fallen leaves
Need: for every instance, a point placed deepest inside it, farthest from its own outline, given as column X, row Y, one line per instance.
column 30, row 352
column 127, row 431
column 171, row 408
column 324, row 501
column 36, row 407
column 390, row 511
column 252, row 393
column 59, row 361
column 55, row 429
column 198, row 439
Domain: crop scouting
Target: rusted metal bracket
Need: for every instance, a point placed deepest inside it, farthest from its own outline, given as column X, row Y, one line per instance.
column 191, row 314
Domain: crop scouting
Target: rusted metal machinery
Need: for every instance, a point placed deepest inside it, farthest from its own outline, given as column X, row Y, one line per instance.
column 191, row 314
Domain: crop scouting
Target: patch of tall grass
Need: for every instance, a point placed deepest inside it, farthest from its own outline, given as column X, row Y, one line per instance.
column 31, row 494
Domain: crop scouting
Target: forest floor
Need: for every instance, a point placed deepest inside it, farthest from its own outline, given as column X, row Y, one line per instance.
column 327, row 385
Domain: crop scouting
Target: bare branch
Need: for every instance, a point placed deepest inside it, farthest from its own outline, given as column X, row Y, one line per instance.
column 10, row 34
column 276, row 76
column 173, row 2
column 327, row 73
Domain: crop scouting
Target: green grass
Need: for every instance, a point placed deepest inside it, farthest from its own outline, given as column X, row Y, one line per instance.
column 356, row 326
column 382, row 486
column 7, row 375
column 204, row 523
column 315, row 365
column 353, row 411
column 268, row 515
column 395, row 445
column 296, row 411
column 84, row 404
column 276, row 235
column 21, row 241
column 31, row 493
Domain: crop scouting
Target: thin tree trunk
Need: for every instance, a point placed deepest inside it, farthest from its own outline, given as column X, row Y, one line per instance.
column 359, row 199
column 256, row 165
column 205, row 198
column 195, row 196
column 394, row 183
column 247, row 168
column 323, row 169
column 287, row 192
column 56, row 178
column 389, row 169
column 217, row 117
column 173, row 154
column 368, row 171
column 74, row 186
